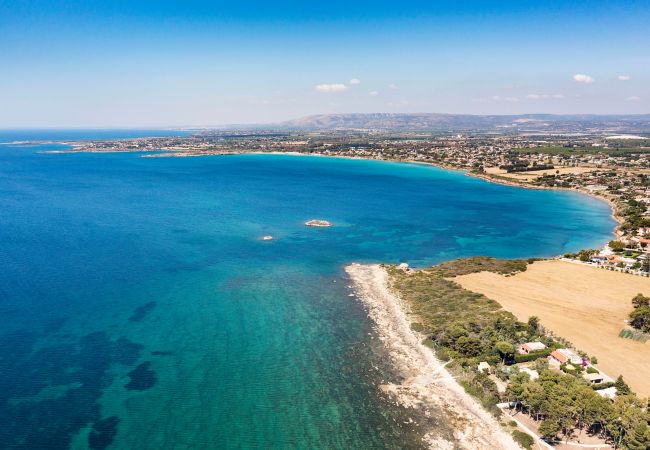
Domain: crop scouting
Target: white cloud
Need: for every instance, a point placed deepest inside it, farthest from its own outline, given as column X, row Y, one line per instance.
column 583, row 78
column 497, row 98
column 334, row 87
column 544, row 96
column 393, row 86
column 373, row 93
column 624, row 78
column 355, row 81
column 634, row 98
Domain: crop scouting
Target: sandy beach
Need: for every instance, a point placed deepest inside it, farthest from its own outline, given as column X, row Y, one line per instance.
column 584, row 304
column 427, row 385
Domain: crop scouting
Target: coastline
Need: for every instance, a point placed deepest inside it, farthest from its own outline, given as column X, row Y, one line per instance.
column 427, row 385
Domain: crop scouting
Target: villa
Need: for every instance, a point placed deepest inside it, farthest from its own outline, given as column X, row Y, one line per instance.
column 531, row 347
column 565, row 355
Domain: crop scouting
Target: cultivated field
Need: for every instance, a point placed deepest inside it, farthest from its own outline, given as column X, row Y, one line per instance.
column 583, row 304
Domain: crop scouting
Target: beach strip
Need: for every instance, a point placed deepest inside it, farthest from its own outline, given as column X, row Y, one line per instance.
column 426, row 384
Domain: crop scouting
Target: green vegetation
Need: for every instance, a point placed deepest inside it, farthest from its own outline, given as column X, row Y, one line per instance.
column 616, row 246
column 466, row 328
column 632, row 213
column 582, row 255
column 523, row 439
column 640, row 316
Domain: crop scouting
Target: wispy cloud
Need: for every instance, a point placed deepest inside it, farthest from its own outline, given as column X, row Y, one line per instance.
column 544, row 96
column 393, row 86
column 334, row 87
column 624, row 78
column 373, row 93
column 583, row 78
column 498, row 98
column 354, row 81
column 634, row 98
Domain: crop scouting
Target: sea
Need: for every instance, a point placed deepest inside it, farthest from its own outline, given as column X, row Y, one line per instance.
column 140, row 309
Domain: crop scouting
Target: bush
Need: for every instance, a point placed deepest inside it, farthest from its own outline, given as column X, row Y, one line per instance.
column 523, row 439
column 532, row 356
column 417, row 327
column 591, row 370
column 599, row 386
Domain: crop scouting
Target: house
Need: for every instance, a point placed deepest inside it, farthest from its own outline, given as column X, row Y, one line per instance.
column 565, row 355
column 484, row 367
column 531, row 347
column 609, row 393
column 594, row 378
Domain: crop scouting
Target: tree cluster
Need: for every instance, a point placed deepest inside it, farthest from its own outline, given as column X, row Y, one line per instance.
column 640, row 316
column 565, row 403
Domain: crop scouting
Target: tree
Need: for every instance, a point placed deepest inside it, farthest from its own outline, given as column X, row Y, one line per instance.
column 640, row 318
column 533, row 325
column 549, row 429
column 638, row 440
column 506, row 350
column 640, row 300
column 621, row 386
column 617, row 246
column 468, row 346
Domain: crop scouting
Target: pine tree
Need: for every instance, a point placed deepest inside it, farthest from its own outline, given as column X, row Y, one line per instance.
column 621, row 386
column 638, row 440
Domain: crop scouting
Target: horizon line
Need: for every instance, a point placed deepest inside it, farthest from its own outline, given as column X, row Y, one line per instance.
column 260, row 124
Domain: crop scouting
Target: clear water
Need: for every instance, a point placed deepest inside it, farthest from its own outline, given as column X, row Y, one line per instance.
column 139, row 309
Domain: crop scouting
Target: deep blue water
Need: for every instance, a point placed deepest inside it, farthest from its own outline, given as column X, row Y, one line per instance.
column 139, row 309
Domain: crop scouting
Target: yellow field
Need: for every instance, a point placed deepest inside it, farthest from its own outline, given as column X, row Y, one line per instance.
column 534, row 174
column 583, row 304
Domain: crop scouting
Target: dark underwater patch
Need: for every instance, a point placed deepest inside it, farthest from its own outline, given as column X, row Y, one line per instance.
column 30, row 422
column 54, row 325
column 142, row 377
column 142, row 311
column 103, row 433
column 162, row 353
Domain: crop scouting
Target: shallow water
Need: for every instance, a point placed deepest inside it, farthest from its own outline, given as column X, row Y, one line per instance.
column 139, row 309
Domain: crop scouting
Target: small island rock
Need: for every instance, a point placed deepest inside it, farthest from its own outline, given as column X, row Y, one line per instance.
column 318, row 223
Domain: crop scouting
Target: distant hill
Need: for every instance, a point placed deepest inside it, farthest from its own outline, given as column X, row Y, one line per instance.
column 462, row 122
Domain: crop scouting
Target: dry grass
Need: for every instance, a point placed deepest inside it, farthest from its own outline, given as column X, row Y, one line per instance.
column 583, row 304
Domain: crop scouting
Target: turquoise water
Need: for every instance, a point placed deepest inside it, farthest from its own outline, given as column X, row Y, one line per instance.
column 139, row 309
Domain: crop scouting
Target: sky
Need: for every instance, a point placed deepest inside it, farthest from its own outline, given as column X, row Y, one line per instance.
column 141, row 63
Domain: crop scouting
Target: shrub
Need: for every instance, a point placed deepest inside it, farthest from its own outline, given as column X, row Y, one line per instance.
column 592, row 370
column 532, row 356
column 523, row 439
column 417, row 327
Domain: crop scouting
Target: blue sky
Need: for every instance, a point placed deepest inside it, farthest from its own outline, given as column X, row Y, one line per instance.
column 199, row 63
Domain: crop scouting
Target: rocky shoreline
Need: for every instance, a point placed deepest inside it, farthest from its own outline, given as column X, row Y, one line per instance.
column 427, row 386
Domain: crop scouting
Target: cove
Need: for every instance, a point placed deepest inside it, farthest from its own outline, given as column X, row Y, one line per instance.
column 150, row 273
